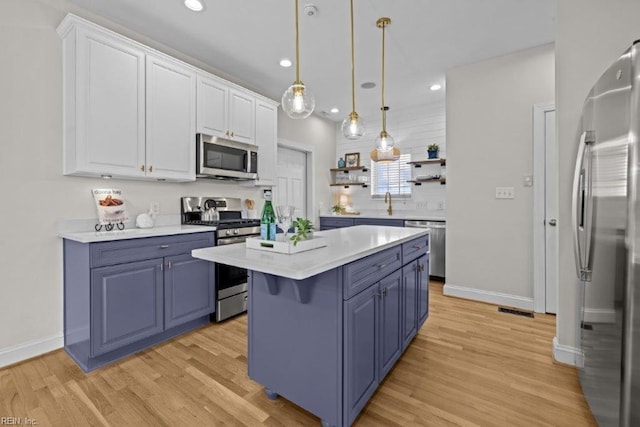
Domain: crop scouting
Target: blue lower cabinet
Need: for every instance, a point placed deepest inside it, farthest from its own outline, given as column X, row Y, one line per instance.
column 361, row 340
column 126, row 304
column 123, row 296
column 389, row 322
column 379, row 221
column 188, row 289
column 327, row 342
column 423, row 289
column 331, row 223
column 409, row 302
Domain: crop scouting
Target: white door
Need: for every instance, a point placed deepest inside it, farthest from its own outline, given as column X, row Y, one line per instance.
column 291, row 188
column 551, row 213
column 171, row 120
column 545, row 209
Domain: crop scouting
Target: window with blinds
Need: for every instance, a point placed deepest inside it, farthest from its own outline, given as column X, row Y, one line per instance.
column 391, row 177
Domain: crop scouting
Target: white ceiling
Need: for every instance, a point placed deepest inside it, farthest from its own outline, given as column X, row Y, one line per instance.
column 247, row 38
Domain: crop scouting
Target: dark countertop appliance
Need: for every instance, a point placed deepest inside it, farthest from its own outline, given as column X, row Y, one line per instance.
column 224, row 215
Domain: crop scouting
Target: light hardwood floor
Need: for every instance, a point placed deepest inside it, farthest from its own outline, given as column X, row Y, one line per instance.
column 468, row 366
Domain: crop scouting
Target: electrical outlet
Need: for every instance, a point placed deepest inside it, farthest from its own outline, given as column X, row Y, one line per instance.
column 505, row 193
column 155, row 208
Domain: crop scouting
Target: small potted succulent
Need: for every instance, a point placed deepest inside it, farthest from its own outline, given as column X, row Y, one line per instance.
column 433, row 150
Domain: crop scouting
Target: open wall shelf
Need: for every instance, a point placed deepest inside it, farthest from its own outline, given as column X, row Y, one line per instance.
column 442, row 181
column 419, row 163
column 350, row 169
column 347, row 184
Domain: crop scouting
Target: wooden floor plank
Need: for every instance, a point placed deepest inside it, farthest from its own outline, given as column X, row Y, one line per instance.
column 468, row 366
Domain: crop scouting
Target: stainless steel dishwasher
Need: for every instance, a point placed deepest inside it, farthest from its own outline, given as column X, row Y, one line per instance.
column 436, row 244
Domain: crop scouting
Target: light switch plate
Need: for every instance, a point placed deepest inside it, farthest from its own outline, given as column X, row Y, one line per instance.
column 505, row 193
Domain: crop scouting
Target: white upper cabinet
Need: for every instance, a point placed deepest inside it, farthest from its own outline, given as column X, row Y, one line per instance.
column 224, row 111
column 133, row 112
column 103, row 106
column 213, row 99
column 171, row 120
column 242, row 116
column 267, row 141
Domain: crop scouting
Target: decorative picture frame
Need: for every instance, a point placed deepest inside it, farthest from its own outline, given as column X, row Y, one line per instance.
column 352, row 159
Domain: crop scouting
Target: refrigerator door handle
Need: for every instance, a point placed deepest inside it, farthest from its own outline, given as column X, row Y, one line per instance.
column 582, row 207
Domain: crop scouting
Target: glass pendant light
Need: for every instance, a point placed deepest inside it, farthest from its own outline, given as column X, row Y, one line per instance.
column 353, row 126
column 298, row 101
column 384, row 141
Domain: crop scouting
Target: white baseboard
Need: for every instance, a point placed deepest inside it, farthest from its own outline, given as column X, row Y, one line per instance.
column 497, row 298
column 566, row 354
column 11, row 355
column 599, row 315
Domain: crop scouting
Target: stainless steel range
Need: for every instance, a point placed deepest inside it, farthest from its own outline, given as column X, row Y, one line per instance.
column 224, row 214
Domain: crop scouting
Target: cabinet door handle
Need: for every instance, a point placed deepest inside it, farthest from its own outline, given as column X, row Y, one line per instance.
column 231, row 134
column 161, row 267
column 142, row 168
column 384, row 292
column 150, row 168
column 381, row 265
column 417, row 247
column 169, row 264
column 227, row 133
column 164, row 246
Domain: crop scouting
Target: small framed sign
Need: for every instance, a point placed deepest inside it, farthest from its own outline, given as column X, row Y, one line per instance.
column 352, row 159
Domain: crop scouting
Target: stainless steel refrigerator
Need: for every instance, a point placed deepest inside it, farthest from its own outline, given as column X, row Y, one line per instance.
column 605, row 214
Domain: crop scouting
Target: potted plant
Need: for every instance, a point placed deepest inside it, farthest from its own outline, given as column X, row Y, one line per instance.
column 432, row 151
column 304, row 230
column 337, row 209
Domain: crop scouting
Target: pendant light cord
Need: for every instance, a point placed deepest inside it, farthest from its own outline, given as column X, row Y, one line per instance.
column 353, row 72
column 384, row 111
column 297, row 48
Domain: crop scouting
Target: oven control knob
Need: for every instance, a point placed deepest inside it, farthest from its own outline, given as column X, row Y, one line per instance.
column 236, row 231
column 228, row 233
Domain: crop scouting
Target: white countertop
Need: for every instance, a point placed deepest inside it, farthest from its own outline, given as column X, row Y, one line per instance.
column 131, row 233
column 396, row 215
column 344, row 246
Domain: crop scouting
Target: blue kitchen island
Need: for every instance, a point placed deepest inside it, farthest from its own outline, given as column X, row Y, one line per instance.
column 327, row 325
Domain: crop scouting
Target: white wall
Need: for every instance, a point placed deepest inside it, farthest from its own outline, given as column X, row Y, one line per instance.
column 591, row 34
column 489, row 145
column 413, row 129
column 319, row 133
column 36, row 193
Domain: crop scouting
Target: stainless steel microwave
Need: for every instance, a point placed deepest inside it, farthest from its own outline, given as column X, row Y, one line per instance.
column 221, row 158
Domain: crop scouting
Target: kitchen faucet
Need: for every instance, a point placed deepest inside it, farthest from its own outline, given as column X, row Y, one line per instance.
column 387, row 199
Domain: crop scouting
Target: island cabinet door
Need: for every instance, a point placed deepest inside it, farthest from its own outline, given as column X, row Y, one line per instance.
column 126, row 304
column 390, row 322
column 360, row 347
column 409, row 302
column 423, row 289
column 188, row 289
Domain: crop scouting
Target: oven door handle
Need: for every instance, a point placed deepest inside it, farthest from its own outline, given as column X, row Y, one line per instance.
column 231, row 240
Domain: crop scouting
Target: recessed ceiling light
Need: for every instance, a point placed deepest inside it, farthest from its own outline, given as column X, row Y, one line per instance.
column 195, row 5
column 285, row 63
column 368, row 85
column 435, row 87
column 334, row 110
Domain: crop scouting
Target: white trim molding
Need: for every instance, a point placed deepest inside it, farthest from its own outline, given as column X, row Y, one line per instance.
column 18, row 353
column 490, row 297
column 566, row 354
column 539, row 245
column 599, row 315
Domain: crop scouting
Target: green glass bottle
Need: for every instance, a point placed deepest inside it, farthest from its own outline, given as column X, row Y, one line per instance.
column 268, row 220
